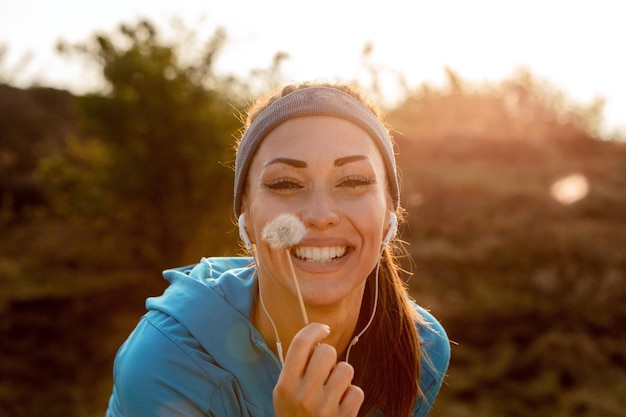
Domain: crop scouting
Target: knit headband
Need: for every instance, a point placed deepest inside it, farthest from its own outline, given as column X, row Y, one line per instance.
column 313, row 101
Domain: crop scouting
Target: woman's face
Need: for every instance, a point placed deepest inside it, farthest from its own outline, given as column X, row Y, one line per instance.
column 329, row 173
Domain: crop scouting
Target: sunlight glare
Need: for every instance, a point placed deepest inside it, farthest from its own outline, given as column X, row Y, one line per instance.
column 570, row 189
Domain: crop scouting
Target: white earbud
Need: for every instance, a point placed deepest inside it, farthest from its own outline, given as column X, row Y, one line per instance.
column 242, row 231
column 393, row 226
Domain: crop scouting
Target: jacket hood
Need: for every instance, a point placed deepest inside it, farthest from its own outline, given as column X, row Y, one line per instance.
column 213, row 301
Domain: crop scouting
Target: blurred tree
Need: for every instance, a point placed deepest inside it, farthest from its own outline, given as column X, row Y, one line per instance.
column 522, row 106
column 159, row 143
column 33, row 123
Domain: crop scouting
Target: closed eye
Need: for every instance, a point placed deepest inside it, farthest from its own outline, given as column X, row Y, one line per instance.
column 356, row 182
column 282, row 184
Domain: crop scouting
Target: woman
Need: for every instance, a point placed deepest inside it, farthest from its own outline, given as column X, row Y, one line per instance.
column 228, row 338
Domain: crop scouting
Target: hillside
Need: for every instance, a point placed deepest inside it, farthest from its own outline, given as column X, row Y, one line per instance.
column 529, row 288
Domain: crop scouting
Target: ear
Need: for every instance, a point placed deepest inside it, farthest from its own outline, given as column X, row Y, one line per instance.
column 241, row 222
column 392, row 229
column 245, row 223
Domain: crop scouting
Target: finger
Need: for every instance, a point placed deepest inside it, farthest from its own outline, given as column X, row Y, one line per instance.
column 308, row 394
column 351, row 402
column 301, row 348
column 339, row 380
column 321, row 363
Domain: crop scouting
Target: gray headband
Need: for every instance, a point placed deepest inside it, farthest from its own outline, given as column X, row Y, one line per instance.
column 313, row 101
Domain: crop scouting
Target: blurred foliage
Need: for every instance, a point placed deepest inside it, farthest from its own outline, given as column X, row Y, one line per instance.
column 32, row 126
column 100, row 192
column 520, row 107
column 527, row 287
column 158, row 147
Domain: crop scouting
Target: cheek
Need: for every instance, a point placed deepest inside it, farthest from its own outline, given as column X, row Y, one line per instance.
column 370, row 219
column 259, row 214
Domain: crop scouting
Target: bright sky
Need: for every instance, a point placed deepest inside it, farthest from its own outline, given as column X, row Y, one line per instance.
column 574, row 44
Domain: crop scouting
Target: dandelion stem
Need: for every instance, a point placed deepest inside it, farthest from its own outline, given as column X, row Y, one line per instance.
column 282, row 233
column 297, row 285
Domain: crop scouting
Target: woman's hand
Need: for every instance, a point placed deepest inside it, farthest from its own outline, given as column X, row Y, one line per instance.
column 312, row 383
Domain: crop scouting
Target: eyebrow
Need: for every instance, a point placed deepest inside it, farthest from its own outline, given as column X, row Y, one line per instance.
column 296, row 163
column 348, row 159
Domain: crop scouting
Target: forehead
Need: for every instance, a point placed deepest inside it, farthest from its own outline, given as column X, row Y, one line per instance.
column 317, row 137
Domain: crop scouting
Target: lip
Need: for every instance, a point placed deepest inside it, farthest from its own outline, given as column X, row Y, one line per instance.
column 321, row 242
column 319, row 254
column 320, row 267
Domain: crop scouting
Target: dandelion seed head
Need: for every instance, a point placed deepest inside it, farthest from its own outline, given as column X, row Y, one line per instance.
column 284, row 231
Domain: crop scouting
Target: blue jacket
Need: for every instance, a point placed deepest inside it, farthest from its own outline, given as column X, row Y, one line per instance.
column 196, row 353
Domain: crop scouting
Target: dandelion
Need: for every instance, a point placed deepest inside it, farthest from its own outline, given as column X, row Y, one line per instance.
column 282, row 233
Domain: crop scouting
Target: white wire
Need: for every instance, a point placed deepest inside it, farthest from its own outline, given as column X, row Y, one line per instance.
column 356, row 338
column 279, row 346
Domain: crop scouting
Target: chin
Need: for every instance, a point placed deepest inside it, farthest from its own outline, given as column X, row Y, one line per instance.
column 324, row 294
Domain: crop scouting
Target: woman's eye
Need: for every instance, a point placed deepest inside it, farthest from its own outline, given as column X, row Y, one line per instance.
column 355, row 182
column 282, row 184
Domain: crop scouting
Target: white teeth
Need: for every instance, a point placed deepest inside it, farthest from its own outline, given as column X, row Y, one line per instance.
column 316, row 254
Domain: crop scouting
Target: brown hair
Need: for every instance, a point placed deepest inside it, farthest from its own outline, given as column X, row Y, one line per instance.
column 387, row 359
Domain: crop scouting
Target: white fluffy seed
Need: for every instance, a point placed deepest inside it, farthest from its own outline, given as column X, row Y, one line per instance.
column 284, row 231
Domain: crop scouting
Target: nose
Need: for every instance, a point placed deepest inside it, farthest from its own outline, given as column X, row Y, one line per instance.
column 320, row 210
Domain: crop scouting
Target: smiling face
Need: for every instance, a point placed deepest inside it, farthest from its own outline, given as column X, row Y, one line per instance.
column 329, row 173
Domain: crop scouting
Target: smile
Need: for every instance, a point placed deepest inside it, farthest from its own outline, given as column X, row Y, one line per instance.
column 320, row 254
